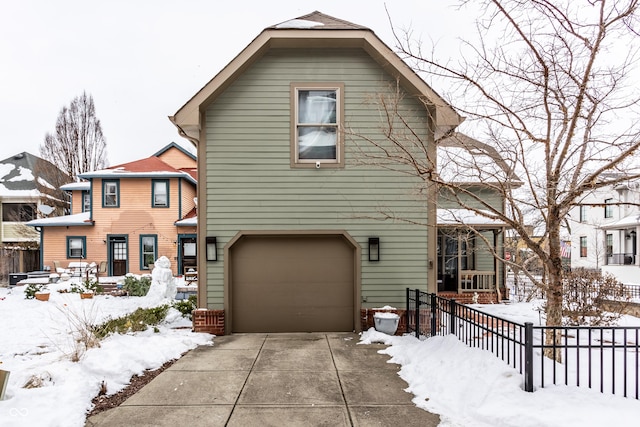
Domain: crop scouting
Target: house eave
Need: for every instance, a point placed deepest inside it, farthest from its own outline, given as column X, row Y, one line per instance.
column 187, row 118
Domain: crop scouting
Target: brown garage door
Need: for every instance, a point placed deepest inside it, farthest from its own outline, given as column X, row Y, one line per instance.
column 292, row 284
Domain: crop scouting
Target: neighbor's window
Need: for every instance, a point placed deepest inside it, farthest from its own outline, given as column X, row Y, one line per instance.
column 316, row 115
column 148, row 246
column 583, row 213
column 86, row 201
column 609, row 245
column 110, row 191
column 18, row 212
column 160, row 193
column 76, row 246
column 583, row 246
column 608, row 209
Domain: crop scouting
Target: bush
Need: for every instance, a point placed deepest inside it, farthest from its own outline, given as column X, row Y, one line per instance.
column 137, row 287
column 593, row 299
column 139, row 320
column 31, row 289
column 186, row 306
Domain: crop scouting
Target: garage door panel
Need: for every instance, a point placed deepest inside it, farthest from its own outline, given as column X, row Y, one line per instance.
column 292, row 284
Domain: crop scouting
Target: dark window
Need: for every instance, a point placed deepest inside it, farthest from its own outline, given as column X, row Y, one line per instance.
column 609, row 245
column 583, row 213
column 583, row 246
column 18, row 212
column 608, row 208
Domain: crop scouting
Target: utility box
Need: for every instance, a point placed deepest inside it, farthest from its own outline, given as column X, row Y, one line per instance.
column 14, row 278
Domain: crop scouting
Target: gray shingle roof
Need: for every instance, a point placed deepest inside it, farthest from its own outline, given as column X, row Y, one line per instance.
column 328, row 23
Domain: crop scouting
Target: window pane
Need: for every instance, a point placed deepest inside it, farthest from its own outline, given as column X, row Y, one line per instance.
column 189, row 249
column 86, row 201
column 316, row 142
column 75, row 248
column 160, row 194
column 317, row 106
column 110, row 194
column 148, row 250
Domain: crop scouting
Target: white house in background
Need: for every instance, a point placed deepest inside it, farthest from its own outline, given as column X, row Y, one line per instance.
column 604, row 231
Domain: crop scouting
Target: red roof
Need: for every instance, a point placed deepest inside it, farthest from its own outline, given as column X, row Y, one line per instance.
column 150, row 164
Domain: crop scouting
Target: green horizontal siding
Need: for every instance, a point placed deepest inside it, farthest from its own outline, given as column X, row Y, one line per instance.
column 251, row 186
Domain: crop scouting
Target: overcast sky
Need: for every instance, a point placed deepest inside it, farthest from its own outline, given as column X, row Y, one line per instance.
column 143, row 59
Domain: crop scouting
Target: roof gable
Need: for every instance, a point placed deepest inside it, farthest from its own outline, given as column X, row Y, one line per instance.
column 171, row 146
column 303, row 32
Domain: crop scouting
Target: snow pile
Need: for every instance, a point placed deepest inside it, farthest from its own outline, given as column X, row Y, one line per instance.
column 38, row 342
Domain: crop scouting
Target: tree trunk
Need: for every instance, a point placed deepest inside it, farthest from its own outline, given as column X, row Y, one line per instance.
column 554, row 291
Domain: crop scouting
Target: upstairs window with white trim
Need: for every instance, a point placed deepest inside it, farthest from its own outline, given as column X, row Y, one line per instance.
column 316, row 139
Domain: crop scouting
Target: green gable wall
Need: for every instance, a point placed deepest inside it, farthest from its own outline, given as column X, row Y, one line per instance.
column 251, row 186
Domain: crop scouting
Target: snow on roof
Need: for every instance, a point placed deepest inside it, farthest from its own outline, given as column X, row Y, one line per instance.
column 187, row 222
column 6, row 192
column 23, row 175
column 299, row 24
column 82, row 185
column 60, row 221
column 628, row 221
column 466, row 217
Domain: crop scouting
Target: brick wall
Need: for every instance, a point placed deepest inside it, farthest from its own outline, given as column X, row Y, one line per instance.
column 467, row 297
column 208, row 321
column 366, row 318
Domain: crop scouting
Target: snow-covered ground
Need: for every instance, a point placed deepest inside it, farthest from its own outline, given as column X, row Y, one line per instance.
column 37, row 343
column 467, row 387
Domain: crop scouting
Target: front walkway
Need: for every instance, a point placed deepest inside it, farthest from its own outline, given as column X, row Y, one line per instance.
column 314, row 379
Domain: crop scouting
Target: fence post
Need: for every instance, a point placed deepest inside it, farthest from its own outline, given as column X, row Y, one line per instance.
column 417, row 313
column 528, row 356
column 452, row 316
column 407, row 315
column 434, row 301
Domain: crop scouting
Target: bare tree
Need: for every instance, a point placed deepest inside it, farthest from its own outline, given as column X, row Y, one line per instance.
column 78, row 144
column 545, row 84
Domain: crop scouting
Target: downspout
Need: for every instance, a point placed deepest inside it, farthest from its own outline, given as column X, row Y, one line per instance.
column 41, row 231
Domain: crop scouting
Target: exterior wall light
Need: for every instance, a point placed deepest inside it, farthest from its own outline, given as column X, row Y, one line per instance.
column 212, row 249
column 374, row 249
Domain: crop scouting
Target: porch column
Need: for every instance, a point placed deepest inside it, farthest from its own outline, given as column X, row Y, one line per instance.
column 634, row 245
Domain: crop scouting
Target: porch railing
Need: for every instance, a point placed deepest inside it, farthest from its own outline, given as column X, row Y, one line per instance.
column 621, row 259
column 476, row 280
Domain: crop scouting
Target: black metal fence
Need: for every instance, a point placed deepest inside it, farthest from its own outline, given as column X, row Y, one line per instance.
column 602, row 358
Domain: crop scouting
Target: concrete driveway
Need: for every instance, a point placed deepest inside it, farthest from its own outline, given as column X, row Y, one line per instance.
column 313, row 379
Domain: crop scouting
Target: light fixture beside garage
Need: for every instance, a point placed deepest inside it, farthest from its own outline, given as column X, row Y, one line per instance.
column 374, row 249
column 212, row 249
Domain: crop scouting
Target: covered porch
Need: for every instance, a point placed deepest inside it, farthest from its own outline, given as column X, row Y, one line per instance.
column 467, row 245
column 621, row 248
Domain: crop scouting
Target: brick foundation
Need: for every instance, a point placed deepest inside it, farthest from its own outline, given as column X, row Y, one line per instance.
column 208, row 321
